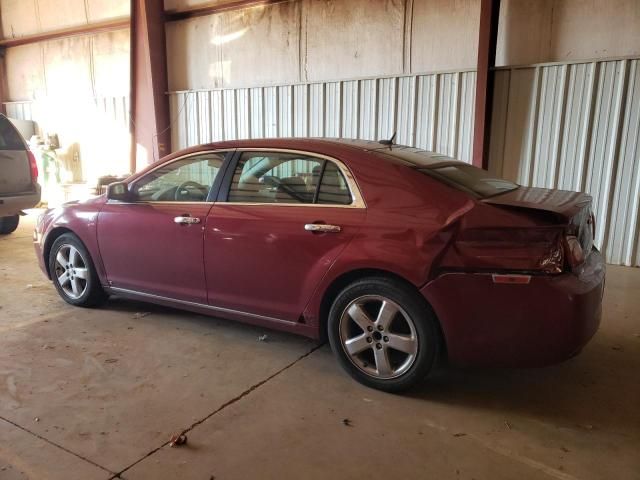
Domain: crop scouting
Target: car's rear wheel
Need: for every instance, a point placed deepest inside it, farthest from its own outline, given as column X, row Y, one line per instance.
column 383, row 333
column 73, row 272
column 9, row 224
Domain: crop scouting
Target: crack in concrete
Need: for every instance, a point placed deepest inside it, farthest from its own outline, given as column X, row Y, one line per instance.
column 220, row 408
column 44, row 439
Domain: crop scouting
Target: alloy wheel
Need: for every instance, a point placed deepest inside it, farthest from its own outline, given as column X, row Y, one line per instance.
column 378, row 336
column 71, row 271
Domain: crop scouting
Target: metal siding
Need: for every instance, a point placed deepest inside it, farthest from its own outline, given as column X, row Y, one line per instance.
column 622, row 243
column 368, row 109
column 333, row 114
column 572, row 126
column 576, row 127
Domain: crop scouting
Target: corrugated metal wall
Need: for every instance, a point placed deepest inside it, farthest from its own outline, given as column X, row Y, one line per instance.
column 115, row 109
column 576, row 127
column 433, row 111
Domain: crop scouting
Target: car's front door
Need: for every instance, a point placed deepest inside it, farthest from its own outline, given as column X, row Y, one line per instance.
column 153, row 244
column 272, row 237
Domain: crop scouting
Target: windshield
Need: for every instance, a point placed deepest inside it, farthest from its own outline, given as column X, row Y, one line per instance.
column 471, row 179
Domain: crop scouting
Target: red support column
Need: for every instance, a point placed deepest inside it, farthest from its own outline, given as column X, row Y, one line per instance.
column 150, row 118
column 488, row 38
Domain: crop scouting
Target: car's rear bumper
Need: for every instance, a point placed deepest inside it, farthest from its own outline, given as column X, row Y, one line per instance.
column 545, row 321
column 14, row 204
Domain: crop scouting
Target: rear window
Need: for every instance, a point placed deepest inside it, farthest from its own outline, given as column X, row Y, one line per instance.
column 470, row 179
column 9, row 137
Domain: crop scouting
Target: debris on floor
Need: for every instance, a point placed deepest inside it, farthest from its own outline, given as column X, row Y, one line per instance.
column 111, row 360
column 346, row 422
column 263, row 338
column 460, row 434
column 36, row 419
column 141, row 314
column 177, row 440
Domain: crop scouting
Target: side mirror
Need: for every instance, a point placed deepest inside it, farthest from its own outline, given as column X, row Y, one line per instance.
column 118, row 191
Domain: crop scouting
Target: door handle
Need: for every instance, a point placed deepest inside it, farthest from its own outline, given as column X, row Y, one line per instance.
column 186, row 220
column 322, row 228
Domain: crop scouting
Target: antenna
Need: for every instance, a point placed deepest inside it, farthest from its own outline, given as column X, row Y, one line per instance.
column 389, row 142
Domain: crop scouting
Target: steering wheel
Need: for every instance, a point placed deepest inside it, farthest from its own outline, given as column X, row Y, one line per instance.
column 189, row 190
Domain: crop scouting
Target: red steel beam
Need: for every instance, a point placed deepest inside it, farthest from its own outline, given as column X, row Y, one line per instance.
column 150, row 119
column 98, row 27
column 176, row 15
column 487, row 41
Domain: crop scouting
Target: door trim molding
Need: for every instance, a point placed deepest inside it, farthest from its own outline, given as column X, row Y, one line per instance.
column 213, row 308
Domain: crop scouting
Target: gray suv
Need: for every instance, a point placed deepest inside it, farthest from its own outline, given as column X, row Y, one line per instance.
column 19, row 187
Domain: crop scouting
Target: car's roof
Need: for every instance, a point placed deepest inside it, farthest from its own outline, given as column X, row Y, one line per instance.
column 409, row 156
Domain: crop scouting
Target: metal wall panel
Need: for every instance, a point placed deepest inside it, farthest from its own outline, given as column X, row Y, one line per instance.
column 430, row 111
column 576, row 127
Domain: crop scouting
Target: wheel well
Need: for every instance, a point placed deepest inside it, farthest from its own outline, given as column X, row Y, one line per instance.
column 346, row 278
column 53, row 235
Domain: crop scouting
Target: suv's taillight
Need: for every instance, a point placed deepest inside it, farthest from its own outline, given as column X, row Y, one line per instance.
column 33, row 166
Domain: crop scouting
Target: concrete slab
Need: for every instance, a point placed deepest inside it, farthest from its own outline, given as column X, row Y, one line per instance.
column 110, row 386
column 25, row 456
column 463, row 424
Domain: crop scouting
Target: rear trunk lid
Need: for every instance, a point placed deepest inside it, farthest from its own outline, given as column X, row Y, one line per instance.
column 15, row 171
column 563, row 202
column 574, row 208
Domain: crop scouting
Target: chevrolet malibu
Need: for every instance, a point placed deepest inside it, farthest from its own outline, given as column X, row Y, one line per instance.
column 397, row 255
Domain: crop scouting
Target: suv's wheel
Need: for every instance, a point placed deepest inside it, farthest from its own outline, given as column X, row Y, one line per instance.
column 73, row 272
column 383, row 333
column 9, row 224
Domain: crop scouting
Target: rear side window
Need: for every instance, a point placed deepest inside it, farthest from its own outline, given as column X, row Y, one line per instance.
column 10, row 139
column 287, row 178
column 470, row 179
column 333, row 187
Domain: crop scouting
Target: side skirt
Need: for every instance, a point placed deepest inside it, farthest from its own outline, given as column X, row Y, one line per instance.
column 213, row 311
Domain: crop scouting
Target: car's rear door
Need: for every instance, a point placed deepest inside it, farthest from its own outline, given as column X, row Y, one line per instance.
column 154, row 243
column 274, row 233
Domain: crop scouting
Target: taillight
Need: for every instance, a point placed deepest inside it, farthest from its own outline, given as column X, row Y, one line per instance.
column 574, row 252
column 33, row 166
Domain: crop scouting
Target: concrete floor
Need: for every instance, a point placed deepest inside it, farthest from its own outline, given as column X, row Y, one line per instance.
column 93, row 394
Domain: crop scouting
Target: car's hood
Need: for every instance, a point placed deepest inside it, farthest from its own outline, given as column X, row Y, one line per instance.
column 562, row 202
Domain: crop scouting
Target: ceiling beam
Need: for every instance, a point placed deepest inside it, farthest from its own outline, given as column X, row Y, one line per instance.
column 177, row 15
column 88, row 29
column 487, row 42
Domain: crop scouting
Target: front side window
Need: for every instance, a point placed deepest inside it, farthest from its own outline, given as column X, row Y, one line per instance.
column 277, row 177
column 186, row 180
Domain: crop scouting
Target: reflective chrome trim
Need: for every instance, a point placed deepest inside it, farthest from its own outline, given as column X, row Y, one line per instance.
column 160, row 202
column 356, row 195
column 198, row 305
column 322, row 228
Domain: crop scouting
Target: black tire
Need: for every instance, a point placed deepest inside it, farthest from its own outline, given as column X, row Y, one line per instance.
column 9, row 224
column 90, row 292
column 364, row 295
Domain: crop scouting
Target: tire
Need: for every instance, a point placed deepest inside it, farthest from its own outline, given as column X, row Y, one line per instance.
column 374, row 361
column 70, row 260
column 9, row 224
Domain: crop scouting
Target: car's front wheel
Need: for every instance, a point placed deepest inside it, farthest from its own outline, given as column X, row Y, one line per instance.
column 383, row 334
column 73, row 272
column 9, row 224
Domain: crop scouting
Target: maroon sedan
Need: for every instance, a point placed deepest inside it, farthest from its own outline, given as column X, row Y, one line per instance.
column 397, row 255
